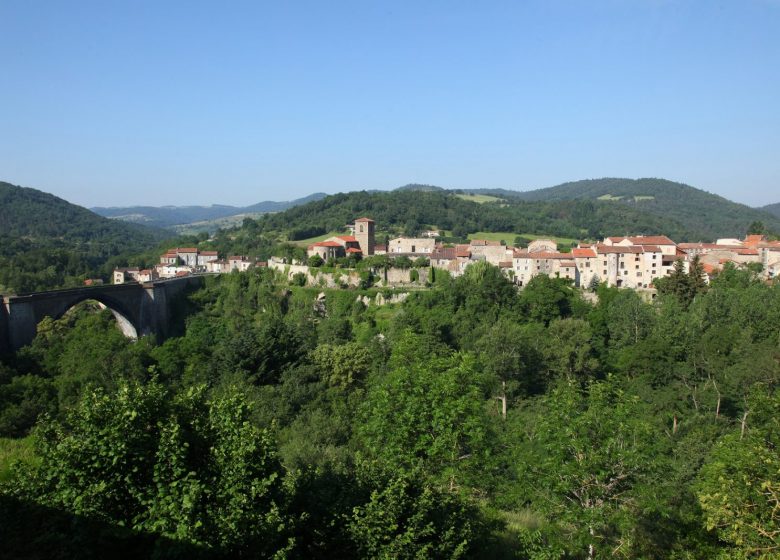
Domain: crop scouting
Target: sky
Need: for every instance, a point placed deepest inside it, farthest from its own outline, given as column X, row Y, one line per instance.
column 192, row 102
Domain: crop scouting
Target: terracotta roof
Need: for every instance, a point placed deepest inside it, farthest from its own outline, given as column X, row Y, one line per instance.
column 354, row 250
column 242, row 258
column 583, row 253
column 183, row 273
column 462, row 251
column 519, row 253
column 746, row 251
column 703, row 246
column 188, row 250
column 209, row 253
column 754, row 239
column 443, row 253
column 505, row 264
column 319, row 244
column 382, row 247
column 651, row 240
column 347, row 238
column 606, row 249
column 484, row 243
column 364, row 220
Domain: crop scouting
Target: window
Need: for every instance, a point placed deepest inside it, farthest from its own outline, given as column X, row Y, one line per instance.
column 638, row 274
column 637, row 267
column 605, row 263
column 587, row 264
column 653, row 258
column 605, row 273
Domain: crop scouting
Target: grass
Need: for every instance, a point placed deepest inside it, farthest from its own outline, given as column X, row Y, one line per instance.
column 12, row 450
column 637, row 198
column 310, row 240
column 509, row 237
column 479, row 198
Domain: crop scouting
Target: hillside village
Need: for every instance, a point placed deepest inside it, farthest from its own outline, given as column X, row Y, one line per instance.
column 629, row 262
column 179, row 261
column 623, row 262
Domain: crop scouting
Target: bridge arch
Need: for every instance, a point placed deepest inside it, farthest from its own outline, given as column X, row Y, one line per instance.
column 126, row 325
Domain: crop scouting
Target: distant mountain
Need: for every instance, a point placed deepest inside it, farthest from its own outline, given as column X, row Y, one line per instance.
column 708, row 214
column 47, row 242
column 773, row 209
column 170, row 216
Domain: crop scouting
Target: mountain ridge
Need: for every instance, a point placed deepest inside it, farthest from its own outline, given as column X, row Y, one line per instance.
column 169, row 216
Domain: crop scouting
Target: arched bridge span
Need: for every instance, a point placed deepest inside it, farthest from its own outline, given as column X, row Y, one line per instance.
column 140, row 309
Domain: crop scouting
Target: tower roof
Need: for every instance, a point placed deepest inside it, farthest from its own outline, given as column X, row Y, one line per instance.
column 364, row 220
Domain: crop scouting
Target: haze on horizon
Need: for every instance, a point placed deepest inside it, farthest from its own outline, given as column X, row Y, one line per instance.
column 181, row 103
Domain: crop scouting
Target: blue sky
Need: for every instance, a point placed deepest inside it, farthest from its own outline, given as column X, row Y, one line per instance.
column 165, row 102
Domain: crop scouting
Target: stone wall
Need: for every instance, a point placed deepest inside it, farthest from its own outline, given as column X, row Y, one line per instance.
column 315, row 277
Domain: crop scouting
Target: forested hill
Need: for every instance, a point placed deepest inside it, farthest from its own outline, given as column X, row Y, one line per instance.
column 773, row 209
column 47, row 242
column 709, row 214
column 40, row 216
column 167, row 216
column 407, row 212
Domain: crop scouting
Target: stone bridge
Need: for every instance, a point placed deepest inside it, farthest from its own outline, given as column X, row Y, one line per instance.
column 140, row 309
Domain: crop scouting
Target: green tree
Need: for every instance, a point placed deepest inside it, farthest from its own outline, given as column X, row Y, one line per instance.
column 407, row 517
column 343, row 365
column 428, row 415
column 739, row 487
column 186, row 468
column 590, row 450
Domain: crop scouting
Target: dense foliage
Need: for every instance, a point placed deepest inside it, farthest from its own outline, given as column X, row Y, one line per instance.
column 709, row 216
column 46, row 242
column 409, row 212
column 471, row 420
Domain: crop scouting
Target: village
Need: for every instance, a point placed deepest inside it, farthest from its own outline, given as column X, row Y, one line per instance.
column 623, row 262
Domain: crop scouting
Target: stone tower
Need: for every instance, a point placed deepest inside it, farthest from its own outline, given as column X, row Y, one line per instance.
column 364, row 233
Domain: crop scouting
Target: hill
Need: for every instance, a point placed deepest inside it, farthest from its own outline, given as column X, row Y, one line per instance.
column 773, row 209
column 409, row 211
column 170, row 216
column 416, row 187
column 47, row 242
column 707, row 214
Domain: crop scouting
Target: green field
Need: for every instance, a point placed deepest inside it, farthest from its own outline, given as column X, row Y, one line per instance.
column 12, row 450
column 479, row 198
column 509, row 237
column 310, row 240
column 637, row 198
